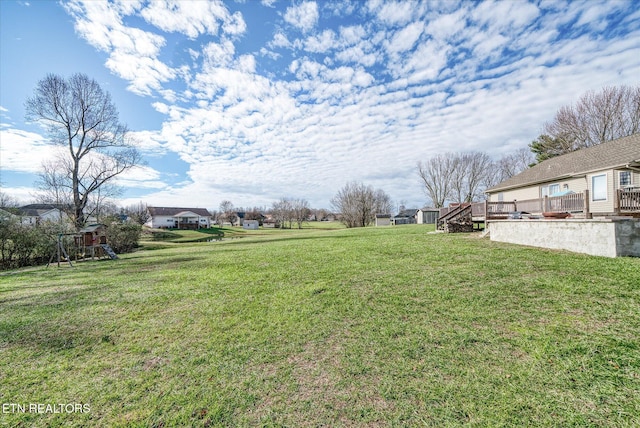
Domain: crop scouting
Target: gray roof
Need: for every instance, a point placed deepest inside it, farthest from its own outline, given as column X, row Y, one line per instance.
column 618, row 153
column 409, row 212
column 36, row 210
column 172, row 211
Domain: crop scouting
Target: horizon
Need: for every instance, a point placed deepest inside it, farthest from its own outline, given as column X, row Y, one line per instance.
column 252, row 102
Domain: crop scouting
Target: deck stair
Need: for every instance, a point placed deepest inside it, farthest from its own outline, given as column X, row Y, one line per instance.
column 457, row 220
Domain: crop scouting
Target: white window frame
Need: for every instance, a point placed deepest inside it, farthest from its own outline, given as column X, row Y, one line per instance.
column 598, row 196
column 546, row 190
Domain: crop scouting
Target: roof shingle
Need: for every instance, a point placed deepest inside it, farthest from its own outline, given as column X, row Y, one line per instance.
column 171, row 211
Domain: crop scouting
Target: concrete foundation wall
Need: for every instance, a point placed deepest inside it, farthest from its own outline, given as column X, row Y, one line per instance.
column 599, row 237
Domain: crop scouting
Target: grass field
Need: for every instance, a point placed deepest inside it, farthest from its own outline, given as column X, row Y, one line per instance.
column 320, row 327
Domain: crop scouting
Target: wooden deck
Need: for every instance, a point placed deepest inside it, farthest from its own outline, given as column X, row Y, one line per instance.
column 577, row 204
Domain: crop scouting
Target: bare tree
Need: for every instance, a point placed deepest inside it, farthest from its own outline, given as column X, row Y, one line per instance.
column 358, row 204
column 80, row 116
column 468, row 175
column 596, row 118
column 460, row 177
column 436, row 175
column 509, row 165
column 8, row 201
column 282, row 212
column 301, row 211
column 138, row 213
column 514, row 163
column 382, row 203
column 228, row 212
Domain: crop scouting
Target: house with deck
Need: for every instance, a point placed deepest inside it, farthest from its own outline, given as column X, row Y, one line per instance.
column 602, row 180
column 586, row 201
column 178, row 218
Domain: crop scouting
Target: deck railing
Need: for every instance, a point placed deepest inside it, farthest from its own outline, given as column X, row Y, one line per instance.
column 498, row 210
column 573, row 203
column 566, row 203
column 530, row 205
column 629, row 200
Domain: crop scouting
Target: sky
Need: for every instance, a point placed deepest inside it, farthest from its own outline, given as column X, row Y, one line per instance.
column 252, row 101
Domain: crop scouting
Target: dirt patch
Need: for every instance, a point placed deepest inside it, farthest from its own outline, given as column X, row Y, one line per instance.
column 318, row 392
column 154, row 363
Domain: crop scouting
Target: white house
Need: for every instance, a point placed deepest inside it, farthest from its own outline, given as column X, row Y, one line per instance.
column 178, row 218
column 35, row 214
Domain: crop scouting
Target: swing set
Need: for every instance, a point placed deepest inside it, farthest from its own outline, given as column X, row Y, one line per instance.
column 90, row 241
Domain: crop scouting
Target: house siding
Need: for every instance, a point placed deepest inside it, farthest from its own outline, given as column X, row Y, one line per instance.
column 162, row 221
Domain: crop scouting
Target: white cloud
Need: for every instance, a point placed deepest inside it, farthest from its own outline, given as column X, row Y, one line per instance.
column 141, row 177
column 303, row 16
column 394, row 12
column 280, row 40
column 192, row 18
column 445, row 27
column 24, row 151
column 406, row 38
column 321, row 42
column 133, row 53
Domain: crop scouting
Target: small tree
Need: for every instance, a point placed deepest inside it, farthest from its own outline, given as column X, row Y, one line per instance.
column 122, row 237
column 81, row 117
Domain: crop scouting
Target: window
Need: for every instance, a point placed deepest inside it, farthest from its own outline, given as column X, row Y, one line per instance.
column 549, row 190
column 500, row 197
column 599, row 187
column 625, row 178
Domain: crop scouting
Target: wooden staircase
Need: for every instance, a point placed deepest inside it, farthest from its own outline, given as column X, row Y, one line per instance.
column 457, row 220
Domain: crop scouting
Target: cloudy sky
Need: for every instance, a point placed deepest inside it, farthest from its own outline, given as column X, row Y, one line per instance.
column 253, row 100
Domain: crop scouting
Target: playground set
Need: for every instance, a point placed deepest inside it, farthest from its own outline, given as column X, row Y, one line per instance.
column 90, row 241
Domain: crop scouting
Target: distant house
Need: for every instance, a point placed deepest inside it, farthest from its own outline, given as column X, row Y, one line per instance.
column 406, row 216
column 427, row 215
column 35, row 214
column 606, row 175
column 178, row 218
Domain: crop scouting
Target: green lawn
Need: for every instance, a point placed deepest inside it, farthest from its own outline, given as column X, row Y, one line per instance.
column 319, row 327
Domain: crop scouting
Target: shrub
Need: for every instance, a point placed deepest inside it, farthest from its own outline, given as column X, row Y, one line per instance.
column 25, row 245
column 122, row 237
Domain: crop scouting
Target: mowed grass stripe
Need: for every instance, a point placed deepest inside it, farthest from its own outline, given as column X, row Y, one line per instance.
column 361, row 327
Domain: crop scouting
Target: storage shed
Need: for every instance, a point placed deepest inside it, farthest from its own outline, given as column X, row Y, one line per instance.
column 427, row 215
column 250, row 224
column 383, row 220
